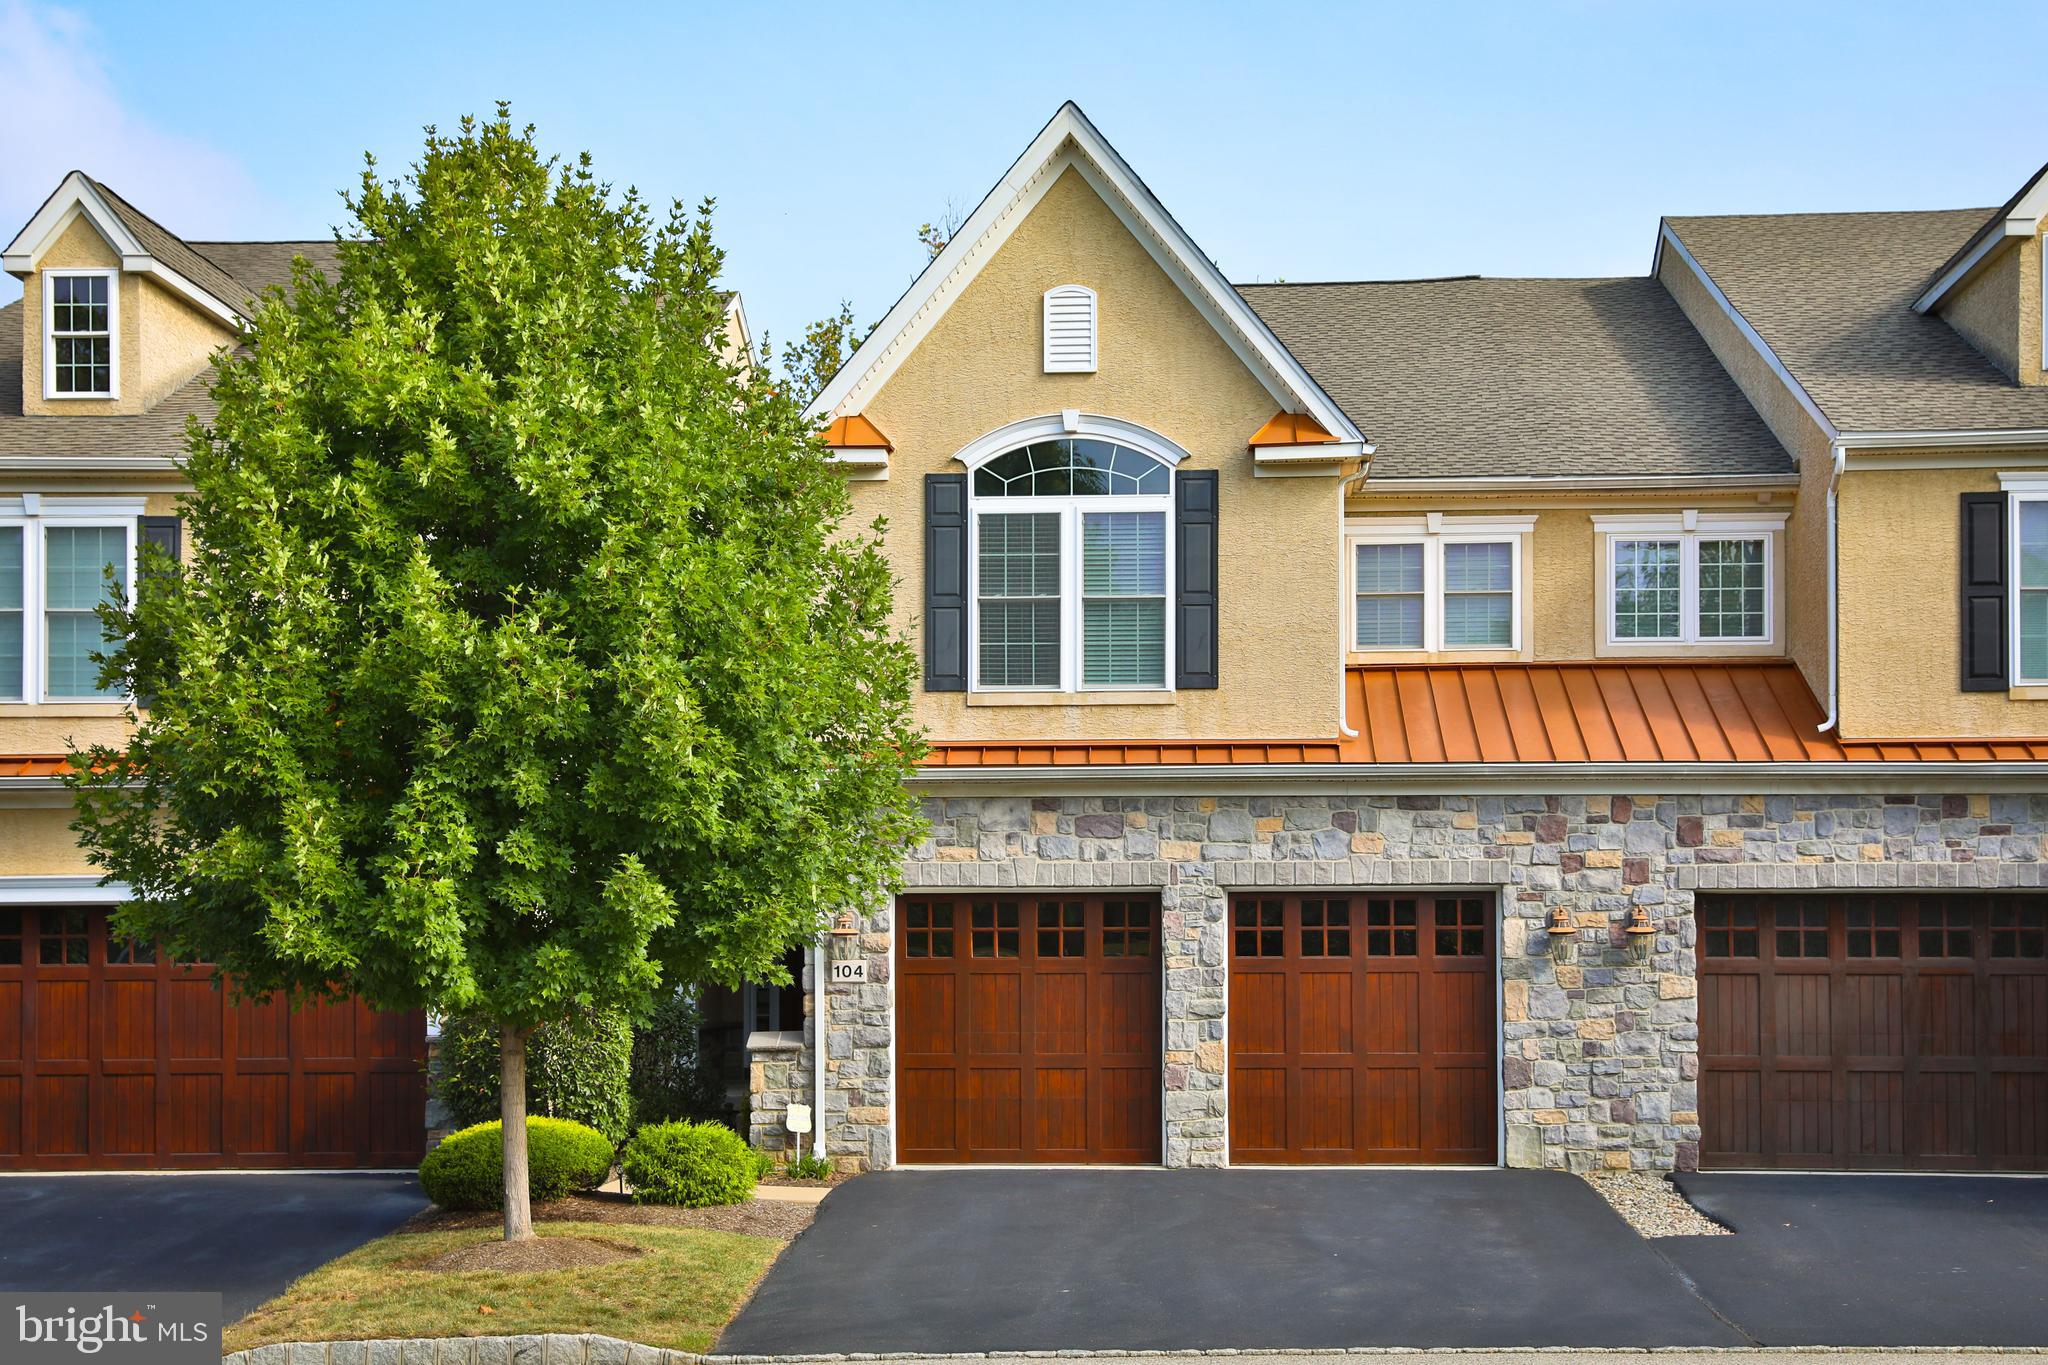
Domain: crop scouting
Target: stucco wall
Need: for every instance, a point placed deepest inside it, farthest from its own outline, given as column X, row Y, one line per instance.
column 1987, row 312
column 1806, row 532
column 36, row 841
column 163, row 340
column 1899, row 555
column 1163, row 367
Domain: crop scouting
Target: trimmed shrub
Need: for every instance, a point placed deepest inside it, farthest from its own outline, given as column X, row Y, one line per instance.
column 691, row 1164
column 576, row 1068
column 670, row 1078
column 467, row 1171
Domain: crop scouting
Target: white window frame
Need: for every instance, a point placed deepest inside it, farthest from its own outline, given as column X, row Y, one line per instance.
column 1689, row 528
column 2019, row 489
column 1433, row 532
column 113, row 279
column 1070, row 511
column 35, row 515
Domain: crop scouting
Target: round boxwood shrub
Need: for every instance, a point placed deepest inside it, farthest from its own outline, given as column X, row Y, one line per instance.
column 691, row 1164
column 467, row 1171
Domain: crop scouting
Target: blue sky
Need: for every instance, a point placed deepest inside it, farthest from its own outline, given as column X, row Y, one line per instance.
column 1293, row 141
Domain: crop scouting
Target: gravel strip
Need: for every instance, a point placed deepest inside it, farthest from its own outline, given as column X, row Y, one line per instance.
column 1652, row 1205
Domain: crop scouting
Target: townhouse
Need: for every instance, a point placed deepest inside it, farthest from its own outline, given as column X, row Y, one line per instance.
column 1562, row 723
column 1559, row 723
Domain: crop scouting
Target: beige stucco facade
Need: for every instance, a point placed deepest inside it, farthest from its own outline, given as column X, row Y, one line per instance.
column 1999, row 310
column 1805, row 565
column 36, row 839
column 1163, row 367
column 1899, row 562
column 163, row 339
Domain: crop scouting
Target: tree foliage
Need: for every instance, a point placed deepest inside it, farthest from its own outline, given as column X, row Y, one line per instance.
column 522, row 662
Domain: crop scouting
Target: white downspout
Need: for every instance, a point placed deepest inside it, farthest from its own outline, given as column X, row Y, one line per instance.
column 1841, row 457
column 1344, row 601
column 818, row 1049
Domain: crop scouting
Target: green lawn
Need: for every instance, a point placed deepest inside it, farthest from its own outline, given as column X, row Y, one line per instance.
column 679, row 1294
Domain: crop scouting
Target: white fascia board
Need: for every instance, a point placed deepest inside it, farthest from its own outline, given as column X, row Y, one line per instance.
column 62, row 891
column 1943, row 449
column 1536, row 483
column 2023, row 220
column 73, row 196
column 76, row 197
column 87, row 464
column 1070, row 140
column 1667, row 238
column 1212, row 779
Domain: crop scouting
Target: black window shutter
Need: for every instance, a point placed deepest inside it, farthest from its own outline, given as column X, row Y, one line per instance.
column 945, row 582
column 168, row 535
column 1986, row 656
column 1194, row 560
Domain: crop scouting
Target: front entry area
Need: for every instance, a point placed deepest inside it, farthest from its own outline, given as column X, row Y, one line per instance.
column 1874, row 1032
column 1362, row 1029
column 1028, row 1028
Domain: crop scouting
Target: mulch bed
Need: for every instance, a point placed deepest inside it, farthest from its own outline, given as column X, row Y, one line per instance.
column 755, row 1218
column 540, row 1253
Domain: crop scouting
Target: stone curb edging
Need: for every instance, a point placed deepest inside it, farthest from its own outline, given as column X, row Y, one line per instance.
column 558, row 1348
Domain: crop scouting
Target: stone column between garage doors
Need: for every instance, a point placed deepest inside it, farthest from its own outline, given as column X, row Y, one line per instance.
column 1599, row 1058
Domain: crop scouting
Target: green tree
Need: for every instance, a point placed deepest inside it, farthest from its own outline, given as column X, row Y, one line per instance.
column 522, row 663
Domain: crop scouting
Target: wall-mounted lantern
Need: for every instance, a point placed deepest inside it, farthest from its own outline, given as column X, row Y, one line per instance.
column 1563, row 934
column 1642, row 935
column 843, row 925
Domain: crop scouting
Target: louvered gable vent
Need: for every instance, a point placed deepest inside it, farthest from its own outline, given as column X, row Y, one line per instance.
column 1070, row 330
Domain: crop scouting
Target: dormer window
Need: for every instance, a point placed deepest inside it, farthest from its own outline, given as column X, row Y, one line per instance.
column 78, row 334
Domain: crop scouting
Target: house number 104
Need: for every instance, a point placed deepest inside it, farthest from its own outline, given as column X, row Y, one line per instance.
column 853, row 973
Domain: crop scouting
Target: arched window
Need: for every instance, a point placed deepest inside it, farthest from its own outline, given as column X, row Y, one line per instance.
column 1070, row 571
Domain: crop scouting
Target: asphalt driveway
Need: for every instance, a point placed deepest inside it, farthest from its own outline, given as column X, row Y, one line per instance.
column 1173, row 1260
column 247, row 1236
column 1874, row 1260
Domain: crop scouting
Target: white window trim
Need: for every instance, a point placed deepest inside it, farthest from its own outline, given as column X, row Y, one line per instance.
column 1689, row 528
column 113, row 279
column 2019, row 489
column 1070, row 511
column 35, row 514
column 1433, row 531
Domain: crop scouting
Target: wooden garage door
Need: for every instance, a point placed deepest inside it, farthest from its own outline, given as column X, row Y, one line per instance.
column 110, row 1058
column 1878, row 1032
column 1028, row 1028
column 1362, row 1029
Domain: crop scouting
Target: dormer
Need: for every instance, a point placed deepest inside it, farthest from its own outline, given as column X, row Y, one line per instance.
column 116, row 312
column 1994, row 292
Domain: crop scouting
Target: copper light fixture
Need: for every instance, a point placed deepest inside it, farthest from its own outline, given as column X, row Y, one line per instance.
column 1564, row 935
column 843, row 925
column 1642, row 935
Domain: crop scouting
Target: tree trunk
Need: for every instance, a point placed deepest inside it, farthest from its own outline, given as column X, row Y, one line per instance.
column 512, row 1110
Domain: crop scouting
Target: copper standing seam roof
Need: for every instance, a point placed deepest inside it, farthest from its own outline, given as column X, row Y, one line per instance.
column 32, row 765
column 1610, row 711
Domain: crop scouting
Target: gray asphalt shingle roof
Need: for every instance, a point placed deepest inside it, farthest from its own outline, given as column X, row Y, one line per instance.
column 1471, row 377
column 1832, row 294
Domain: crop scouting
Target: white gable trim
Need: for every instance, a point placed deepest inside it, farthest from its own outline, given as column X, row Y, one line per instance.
column 76, row 198
column 2021, row 221
column 1070, row 140
column 1004, row 439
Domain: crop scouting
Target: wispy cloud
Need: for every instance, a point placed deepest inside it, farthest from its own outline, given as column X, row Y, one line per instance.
column 60, row 109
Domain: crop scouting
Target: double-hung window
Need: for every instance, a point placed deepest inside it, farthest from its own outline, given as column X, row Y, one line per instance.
column 1691, row 579
column 58, row 563
column 1436, row 583
column 1071, row 577
column 2029, row 537
column 80, row 351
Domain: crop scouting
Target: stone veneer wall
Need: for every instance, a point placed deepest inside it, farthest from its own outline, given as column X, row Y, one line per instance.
column 1600, row 1058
